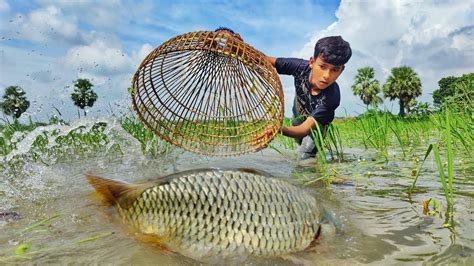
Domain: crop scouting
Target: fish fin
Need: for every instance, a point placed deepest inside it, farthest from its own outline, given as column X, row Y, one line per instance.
column 115, row 192
column 163, row 180
column 316, row 239
column 255, row 171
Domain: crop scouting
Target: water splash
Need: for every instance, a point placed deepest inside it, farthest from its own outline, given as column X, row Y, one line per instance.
column 50, row 143
column 27, row 171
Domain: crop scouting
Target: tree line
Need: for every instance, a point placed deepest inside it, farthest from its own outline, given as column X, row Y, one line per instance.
column 404, row 84
column 14, row 102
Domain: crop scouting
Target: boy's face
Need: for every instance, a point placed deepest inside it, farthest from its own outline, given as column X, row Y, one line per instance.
column 323, row 74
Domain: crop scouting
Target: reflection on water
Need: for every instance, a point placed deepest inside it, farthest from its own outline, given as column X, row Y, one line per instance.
column 378, row 222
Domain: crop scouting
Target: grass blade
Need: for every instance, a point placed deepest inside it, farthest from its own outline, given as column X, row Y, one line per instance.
column 419, row 168
column 94, row 237
column 441, row 174
column 40, row 223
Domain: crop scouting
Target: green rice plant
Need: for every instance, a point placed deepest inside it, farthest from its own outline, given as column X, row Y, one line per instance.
column 446, row 181
column 282, row 141
column 286, row 142
column 318, row 138
column 460, row 126
column 150, row 143
column 384, row 131
column 376, row 128
column 396, row 128
column 8, row 130
column 333, row 142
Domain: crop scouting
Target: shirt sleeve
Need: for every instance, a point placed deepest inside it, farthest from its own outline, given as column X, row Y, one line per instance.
column 289, row 66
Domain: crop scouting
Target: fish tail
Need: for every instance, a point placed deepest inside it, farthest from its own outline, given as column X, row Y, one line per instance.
column 111, row 191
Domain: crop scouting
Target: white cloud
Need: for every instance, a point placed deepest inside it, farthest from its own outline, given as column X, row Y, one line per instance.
column 141, row 54
column 105, row 14
column 98, row 58
column 4, row 6
column 101, row 62
column 48, row 24
column 435, row 38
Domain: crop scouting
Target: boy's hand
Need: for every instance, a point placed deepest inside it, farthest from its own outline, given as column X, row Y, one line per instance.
column 263, row 138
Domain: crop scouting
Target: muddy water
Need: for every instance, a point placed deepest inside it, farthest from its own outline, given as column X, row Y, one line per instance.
column 378, row 222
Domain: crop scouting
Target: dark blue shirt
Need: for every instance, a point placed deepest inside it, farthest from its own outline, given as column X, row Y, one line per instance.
column 322, row 106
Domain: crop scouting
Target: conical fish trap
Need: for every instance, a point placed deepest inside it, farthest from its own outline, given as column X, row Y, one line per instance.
column 210, row 93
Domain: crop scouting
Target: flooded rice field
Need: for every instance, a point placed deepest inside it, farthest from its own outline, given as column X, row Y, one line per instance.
column 48, row 213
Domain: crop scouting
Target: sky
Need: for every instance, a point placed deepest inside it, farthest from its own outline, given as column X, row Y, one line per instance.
column 45, row 45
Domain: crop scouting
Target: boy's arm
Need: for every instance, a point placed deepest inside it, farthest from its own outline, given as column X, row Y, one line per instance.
column 300, row 131
column 272, row 60
column 287, row 66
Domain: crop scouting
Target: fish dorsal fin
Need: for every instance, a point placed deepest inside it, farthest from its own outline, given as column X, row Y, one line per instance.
column 255, row 171
column 163, row 180
column 116, row 192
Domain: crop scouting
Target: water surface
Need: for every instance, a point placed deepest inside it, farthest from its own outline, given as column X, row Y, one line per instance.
column 379, row 222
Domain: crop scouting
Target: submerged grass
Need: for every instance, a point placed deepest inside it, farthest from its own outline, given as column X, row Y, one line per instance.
column 94, row 237
column 41, row 223
column 25, row 251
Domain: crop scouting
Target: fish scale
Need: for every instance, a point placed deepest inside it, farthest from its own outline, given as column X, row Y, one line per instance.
column 225, row 212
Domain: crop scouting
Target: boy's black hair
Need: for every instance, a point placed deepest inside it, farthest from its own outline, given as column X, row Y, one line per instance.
column 225, row 28
column 334, row 50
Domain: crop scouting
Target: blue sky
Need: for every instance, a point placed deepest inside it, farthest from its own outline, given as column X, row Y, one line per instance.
column 46, row 45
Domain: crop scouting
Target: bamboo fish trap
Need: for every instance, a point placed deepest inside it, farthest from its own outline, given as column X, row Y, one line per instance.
column 209, row 92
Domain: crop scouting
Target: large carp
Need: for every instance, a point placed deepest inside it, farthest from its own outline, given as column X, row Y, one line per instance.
column 224, row 213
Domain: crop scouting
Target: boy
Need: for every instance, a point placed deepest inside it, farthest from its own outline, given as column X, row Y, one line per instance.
column 317, row 93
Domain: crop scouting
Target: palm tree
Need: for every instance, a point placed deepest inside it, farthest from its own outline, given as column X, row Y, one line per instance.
column 367, row 87
column 403, row 84
column 83, row 95
column 14, row 102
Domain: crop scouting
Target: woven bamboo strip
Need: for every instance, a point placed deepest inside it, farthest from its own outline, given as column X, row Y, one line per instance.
column 210, row 93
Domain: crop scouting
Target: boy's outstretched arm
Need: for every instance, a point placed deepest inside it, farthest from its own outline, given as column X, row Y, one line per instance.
column 272, row 60
column 300, row 131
